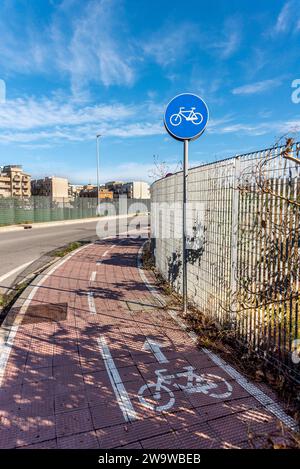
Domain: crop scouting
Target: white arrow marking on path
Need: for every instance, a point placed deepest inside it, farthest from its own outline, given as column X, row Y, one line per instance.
column 155, row 348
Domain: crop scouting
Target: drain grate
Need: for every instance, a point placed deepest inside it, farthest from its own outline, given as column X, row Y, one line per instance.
column 48, row 312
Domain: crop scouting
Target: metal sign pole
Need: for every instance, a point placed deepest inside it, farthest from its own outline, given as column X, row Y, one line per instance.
column 184, row 224
column 185, row 119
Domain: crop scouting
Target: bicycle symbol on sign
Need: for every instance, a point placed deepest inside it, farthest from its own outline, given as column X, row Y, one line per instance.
column 163, row 397
column 188, row 114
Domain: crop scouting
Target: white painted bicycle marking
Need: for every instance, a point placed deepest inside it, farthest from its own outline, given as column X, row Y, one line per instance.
column 116, row 382
column 195, row 383
column 155, row 348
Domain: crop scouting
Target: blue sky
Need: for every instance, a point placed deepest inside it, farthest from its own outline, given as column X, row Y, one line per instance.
column 74, row 68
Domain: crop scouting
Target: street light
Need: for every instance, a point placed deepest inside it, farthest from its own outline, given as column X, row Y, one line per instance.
column 98, row 187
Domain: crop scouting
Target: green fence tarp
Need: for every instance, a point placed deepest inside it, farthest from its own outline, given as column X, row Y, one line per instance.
column 42, row 209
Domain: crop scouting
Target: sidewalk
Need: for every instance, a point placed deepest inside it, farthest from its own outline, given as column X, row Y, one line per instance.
column 80, row 367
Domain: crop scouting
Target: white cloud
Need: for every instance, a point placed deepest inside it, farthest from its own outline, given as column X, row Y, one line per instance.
column 122, row 172
column 31, row 56
column 284, row 18
column 169, row 44
column 33, row 123
column 229, row 45
column 215, row 124
column 81, row 133
column 288, row 18
column 228, row 40
column 31, row 113
column 250, row 129
column 137, row 130
column 257, row 87
column 261, row 128
column 290, row 126
column 95, row 51
column 82, row 40
column 29, row 120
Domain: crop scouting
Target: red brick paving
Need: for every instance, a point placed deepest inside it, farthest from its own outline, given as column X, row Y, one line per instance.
column 56, row 392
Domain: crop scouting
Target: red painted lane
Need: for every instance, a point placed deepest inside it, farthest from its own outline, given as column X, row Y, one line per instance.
column 60, row 390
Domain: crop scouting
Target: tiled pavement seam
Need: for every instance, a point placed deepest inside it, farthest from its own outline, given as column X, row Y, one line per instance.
column 56, row 390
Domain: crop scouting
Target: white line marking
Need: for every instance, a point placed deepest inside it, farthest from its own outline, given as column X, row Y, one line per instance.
column 91, row 302
column 155, row 348
column 116, row 382
column 6, row 346
column 8, row 333
column 259, row 395
column 14, row 271
column 93, row 276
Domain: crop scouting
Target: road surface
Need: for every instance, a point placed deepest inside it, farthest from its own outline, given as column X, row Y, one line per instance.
column 18, row 249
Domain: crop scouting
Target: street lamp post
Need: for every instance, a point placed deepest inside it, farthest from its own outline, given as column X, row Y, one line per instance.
column 98, row 161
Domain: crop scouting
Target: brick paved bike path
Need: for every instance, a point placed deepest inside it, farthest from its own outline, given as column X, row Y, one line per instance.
column 96, row 362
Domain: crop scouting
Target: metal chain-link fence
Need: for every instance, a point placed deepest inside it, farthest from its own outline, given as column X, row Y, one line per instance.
column 243, row 246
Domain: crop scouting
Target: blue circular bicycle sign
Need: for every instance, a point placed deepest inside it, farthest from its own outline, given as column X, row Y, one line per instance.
column 186, row 116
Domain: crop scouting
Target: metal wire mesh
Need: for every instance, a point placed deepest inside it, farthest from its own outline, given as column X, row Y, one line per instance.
column 243, row 246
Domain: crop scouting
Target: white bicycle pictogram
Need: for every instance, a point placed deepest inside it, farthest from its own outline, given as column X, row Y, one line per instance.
column 204, row 383
column 188, row 114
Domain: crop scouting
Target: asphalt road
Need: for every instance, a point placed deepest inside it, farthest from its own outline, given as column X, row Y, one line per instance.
column 19, row 248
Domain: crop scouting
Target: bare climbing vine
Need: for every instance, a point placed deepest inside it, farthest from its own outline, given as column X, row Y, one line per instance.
column 266, row 298
column 161, row 168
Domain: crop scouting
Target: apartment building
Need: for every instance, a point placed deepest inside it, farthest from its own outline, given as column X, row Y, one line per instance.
column 74, row 190
column 14, row 182
column 55, row 187
column 115, row 187
column 136, row 190
column 91, row 191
